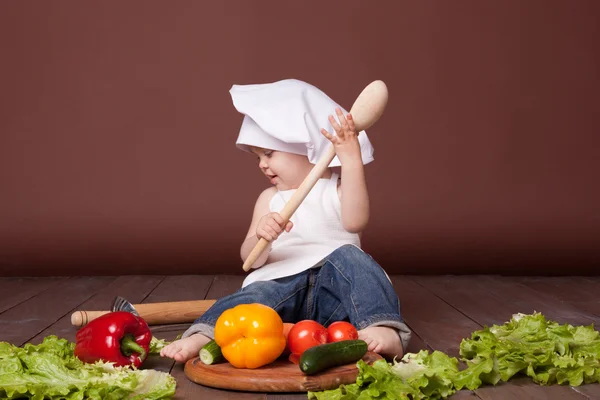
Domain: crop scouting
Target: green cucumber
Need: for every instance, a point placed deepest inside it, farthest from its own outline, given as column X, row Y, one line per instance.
column 210, row 353
column 323, row 356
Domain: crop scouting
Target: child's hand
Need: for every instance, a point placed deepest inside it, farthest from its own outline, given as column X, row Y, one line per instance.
column 271, row 225
column 345, row 142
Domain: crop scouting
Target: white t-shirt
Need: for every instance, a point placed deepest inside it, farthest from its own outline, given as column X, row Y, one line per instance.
column 317, row 232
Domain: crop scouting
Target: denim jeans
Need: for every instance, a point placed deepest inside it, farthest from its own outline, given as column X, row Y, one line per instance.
column 348, row 285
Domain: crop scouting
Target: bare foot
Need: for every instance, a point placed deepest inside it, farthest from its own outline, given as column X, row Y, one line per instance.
column 184, row 349
column 382, row 340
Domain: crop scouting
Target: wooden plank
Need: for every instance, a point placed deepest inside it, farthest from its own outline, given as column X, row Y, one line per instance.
column 460, row 395
column 223, row 285
column 492, row 300
column 24, row 321
column 465, row 294
column 133, row 288
column 181, row 288
column 464, row 395
column 175, row 288
column 591, row 391
column 17, row 290
column 581, row 292
column 440, row 325
column 526, row 300
column 416, row 344
column 594, row 279
column 437, row 325
column 523, row 388
column 52, row 312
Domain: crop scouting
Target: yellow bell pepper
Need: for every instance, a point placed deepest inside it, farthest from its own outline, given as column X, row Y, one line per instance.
column 250, row 335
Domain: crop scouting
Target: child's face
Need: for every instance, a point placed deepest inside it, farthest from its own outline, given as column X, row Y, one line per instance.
column 284, row 170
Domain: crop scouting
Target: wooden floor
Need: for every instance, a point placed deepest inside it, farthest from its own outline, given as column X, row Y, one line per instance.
column 441, row 310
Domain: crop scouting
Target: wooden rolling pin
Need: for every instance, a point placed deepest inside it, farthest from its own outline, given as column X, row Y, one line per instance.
column 154, row 313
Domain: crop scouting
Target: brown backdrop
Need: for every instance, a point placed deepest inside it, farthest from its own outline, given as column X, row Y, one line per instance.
column 117, row 130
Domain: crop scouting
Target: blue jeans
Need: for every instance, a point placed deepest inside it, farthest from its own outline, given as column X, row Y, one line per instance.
column 349, row 285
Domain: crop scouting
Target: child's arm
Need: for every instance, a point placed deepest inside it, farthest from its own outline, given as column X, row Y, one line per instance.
column 260, row 208
column 354, row 197
column 265, row 224
column 354, row 194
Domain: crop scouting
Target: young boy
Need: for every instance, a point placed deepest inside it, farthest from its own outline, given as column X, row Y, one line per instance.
column 313, row 267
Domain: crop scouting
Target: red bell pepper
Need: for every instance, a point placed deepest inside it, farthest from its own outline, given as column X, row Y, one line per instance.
column 119, row 337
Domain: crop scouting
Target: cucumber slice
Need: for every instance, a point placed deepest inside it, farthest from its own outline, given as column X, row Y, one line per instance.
column 321, row 357
column 210, row 353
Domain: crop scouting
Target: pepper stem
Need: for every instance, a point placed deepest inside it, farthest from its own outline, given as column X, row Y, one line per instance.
column 129, row 346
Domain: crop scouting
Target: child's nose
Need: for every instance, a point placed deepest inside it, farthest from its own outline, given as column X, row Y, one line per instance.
column 262, row 164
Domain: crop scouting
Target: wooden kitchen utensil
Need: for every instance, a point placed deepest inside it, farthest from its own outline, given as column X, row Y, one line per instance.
column 279, row 376
column 155, row 313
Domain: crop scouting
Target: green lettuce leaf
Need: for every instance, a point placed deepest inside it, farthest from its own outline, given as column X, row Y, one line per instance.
column 156, row 345
column 544, row 350
column 430, row 373
column 51, row 371
column 376, row 381
column 478, row 372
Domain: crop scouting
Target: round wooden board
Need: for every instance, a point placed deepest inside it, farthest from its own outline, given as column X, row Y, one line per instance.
column 279, row 376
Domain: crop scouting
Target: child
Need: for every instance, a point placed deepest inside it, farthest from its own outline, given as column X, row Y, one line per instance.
column 313, row 267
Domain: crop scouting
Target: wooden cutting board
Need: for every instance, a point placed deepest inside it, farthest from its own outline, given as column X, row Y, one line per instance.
column 279, row 376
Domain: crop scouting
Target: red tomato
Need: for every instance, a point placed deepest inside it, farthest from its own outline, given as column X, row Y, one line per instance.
column 342, row 330
column 286, row 331
column 306, row 334
column 294, row 359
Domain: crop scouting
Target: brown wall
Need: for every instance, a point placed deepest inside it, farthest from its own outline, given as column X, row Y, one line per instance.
column 117, row 130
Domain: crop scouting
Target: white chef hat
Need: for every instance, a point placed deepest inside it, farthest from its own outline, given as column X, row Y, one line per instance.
column 288, row 116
